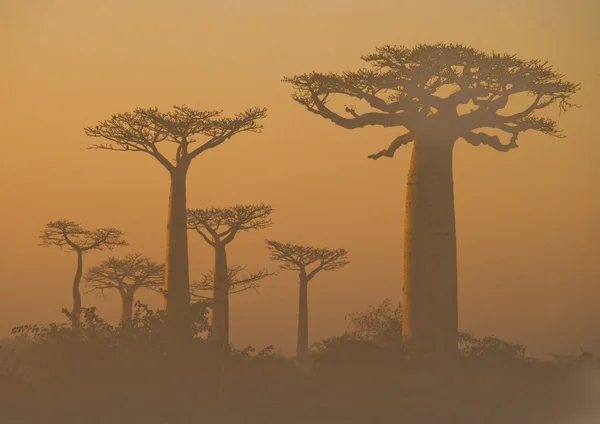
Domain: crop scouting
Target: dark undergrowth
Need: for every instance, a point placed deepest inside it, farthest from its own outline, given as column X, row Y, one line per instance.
column 110, row 374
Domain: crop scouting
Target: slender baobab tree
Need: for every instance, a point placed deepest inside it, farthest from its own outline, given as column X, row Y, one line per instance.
column 238, row 280
column 308, row 261
column 426, row 90
column 126, row 275
column 144, row 130
column 71, row 236
column 219, row 227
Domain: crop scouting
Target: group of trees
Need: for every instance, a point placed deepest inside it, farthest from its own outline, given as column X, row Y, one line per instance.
column 218, row 227
column 424, row 89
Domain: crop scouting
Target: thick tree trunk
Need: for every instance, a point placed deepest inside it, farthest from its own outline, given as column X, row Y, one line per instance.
column 76, row 312
column 302, row 342
column 127, row 309
column 220, row 315
column 430, row 306
column 177, row 280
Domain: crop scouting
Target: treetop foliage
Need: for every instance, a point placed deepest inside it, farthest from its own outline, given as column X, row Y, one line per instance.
column 125, row 274
column 70, row 234
column 145, row 128
column 405, row 86
column 220, row 225
column 293, row 257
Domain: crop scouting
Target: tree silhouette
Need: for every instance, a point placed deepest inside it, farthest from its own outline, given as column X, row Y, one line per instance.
column 126, row 275
column 144, row 130
column 219, row 227
column 238, row 279
column 71, row 236
column 421, row 89
column 293, row 257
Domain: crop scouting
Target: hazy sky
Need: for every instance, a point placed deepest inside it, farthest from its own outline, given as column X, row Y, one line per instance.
column 527, row 220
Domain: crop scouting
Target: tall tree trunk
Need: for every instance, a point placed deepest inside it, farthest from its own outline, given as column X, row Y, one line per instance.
column 302, row 342
column 127, row 309
column 430, row 306
column 177, row 280
column 76, row 312
column 220, row 315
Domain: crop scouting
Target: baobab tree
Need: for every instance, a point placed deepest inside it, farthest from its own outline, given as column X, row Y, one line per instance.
column 422, row 89
column 219, row 227
column 144, row 130
column 308, row 261
column 238, row 280
column 126, row 275
column 69, row 235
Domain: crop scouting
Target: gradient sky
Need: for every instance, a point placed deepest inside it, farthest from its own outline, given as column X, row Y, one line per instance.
column 527, row 220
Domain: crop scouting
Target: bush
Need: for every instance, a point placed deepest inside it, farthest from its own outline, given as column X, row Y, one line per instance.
column 128, row 374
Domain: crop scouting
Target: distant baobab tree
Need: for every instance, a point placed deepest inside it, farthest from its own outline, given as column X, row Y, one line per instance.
column 144, row 130
column 219, row 227
column 238, row 280
column 126, row 275
column 421, row 89
column 308, row 261
column 71, row 236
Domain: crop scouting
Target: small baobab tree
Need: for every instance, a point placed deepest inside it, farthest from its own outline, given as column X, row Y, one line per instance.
column 144, row 130
column 69, row 235
column 126, row 275
column 425, row 90
column 238, row 280
column 308, row 261
column 219, row 227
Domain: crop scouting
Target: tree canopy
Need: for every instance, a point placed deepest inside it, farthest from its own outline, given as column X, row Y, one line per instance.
column 131, row 272
column 222, row 224
column 404, row 87
column 295, row 257
column 144, row 129
column 70, row 235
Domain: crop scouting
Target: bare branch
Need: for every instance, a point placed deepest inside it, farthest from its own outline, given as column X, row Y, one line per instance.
column 313, row 91
column 224, row 128
column 493, row 141
column 330, row 260
column 104, row 238
column 63, row 233
column 137, row 131
column 543, row 125
column 395, row 145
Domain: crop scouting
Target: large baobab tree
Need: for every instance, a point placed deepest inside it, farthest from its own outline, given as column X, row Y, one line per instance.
column 71, row 236
column 126, row 275
column 219, row 227
column 425, row 90
column 238, row 280
column 308, row 261
column 144, row 130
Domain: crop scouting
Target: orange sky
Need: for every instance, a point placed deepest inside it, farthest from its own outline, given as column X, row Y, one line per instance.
column 527, row 221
